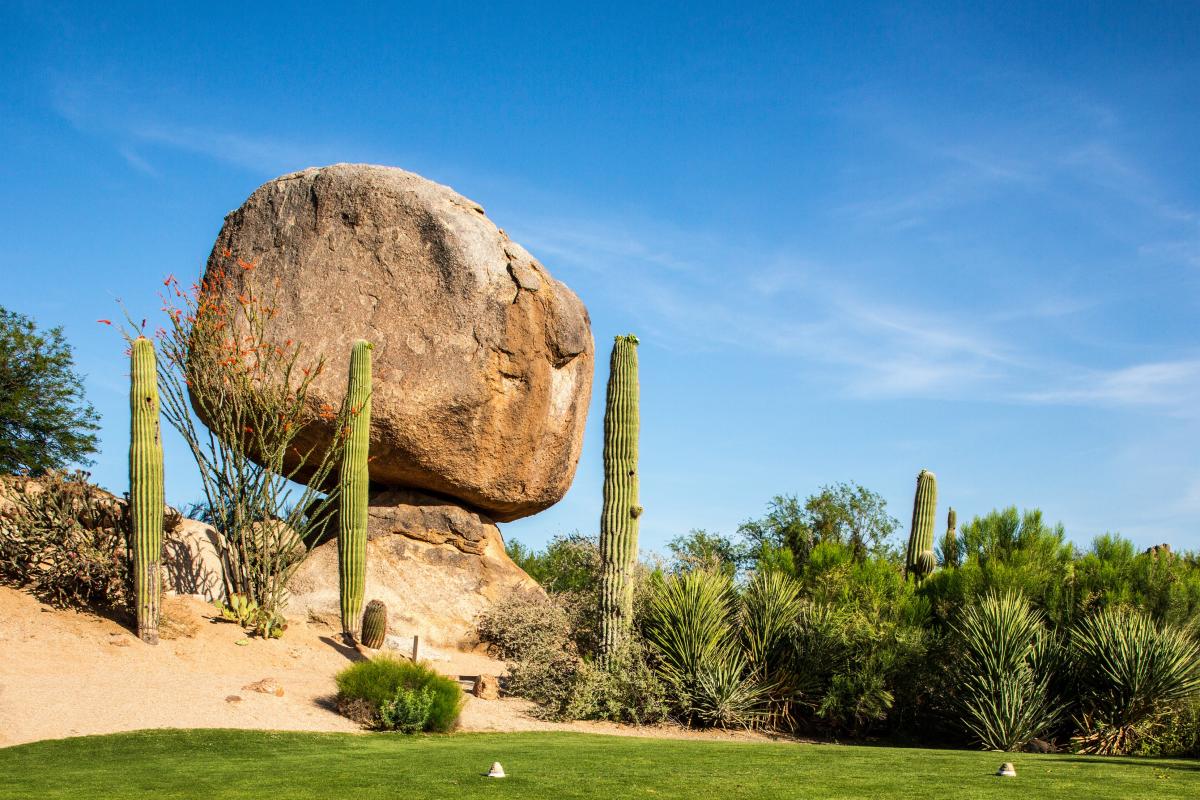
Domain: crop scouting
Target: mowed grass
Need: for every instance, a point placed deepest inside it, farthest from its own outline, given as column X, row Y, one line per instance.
column 216, row 764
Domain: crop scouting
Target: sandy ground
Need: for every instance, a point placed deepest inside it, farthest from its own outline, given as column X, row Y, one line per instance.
column 67, row 673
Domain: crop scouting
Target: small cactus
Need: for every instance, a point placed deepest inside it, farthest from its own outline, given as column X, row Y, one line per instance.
column 619, row 519
column 374, row 624
column 355, row 478
column 920, row 537
column 145, row 486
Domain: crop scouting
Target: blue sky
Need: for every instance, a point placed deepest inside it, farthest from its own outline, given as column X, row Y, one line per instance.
column 856, row 240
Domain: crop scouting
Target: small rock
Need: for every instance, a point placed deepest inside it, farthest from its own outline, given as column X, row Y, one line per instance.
column 265, row 686
column 118, row 640
column 487, row 687
column 232, row 698
column 1007, row 770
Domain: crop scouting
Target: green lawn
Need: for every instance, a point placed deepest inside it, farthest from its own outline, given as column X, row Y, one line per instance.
column 293, row 766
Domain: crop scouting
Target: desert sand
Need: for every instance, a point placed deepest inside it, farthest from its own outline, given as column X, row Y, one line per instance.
column 71, row 673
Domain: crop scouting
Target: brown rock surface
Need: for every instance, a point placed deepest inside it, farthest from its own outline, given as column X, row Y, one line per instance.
column 482, row 361
column 435, row 565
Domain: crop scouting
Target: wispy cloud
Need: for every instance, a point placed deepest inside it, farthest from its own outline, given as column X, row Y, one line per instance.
column 103, row 109
column 1166, row 384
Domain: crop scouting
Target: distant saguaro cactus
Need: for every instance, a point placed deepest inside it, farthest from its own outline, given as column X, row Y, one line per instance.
column 145, row 486
column 950, row 554
column 920, row 537
column 619, row 519
column 352, row 528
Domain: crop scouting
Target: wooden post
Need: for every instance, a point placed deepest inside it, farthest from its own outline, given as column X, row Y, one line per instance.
column 416, row 644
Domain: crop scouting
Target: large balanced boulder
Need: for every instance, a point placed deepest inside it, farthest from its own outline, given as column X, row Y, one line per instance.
column 482, row 360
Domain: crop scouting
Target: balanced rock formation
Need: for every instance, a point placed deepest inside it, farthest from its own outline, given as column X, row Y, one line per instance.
column 482, row 360
column 434, row 563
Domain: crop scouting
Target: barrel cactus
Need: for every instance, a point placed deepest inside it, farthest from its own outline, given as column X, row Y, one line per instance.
column 619, row 518
column 352, row 506
column 145, row 486
column 374, row 624
column 920, row 538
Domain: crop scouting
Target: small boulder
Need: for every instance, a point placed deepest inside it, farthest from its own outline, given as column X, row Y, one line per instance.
column 265, row 686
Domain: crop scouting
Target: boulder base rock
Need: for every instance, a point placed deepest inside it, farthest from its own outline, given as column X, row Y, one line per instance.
column 436, row 565
column 482, row 360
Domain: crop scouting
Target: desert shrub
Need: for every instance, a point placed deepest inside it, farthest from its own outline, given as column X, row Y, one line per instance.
column 66, row 540
column 1131, row 674
column 629, row 690
column 385, row 693
column 1162, row 584
column 548, row 644
column 727, row 695
column 1177, row 734
column 1003, row 691
column 408, row 710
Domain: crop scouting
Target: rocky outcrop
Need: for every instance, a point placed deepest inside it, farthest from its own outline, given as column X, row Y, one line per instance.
column 435, row 565
column 482, row 360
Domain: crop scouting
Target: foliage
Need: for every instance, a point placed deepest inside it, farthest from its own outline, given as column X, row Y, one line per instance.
column 408, row 711
column 382, row 682
column 712, row 552
column 570, row 563
column 844, row 513
column 67, row 541
column 252, row 392
column 45, row 423
column 627, row 689
column 1130, row 674
column 1002, row 691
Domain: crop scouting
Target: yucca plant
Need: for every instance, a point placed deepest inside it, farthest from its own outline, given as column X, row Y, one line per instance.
column 690, row 624
column 1003, row 696
column 770, row 608
column 691, row 628
column 726, row 696
column 1130, row 674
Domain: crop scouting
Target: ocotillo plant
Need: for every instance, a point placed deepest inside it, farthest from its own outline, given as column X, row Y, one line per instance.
column 352, row 528
column 920, row 537
column 374, row 624
column 145, row 486
column 619, row 519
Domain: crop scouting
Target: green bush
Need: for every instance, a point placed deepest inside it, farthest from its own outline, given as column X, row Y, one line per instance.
column 408, row 711
column 1003, row 690
column 1130, row 675
column 385, row 689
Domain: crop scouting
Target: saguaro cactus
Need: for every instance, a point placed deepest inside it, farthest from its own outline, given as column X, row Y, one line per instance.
column 352, row 505
column 619, row 519
column 950, row 541
column 145, row 486
column 919, row 558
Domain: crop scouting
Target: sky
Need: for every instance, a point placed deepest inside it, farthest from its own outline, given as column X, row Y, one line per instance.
column 855, row 239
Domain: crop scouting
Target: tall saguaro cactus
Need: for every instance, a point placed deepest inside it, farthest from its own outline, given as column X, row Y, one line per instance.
column 919, row 559
column 352, row 517
column 145, row 486
column 619, row 519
